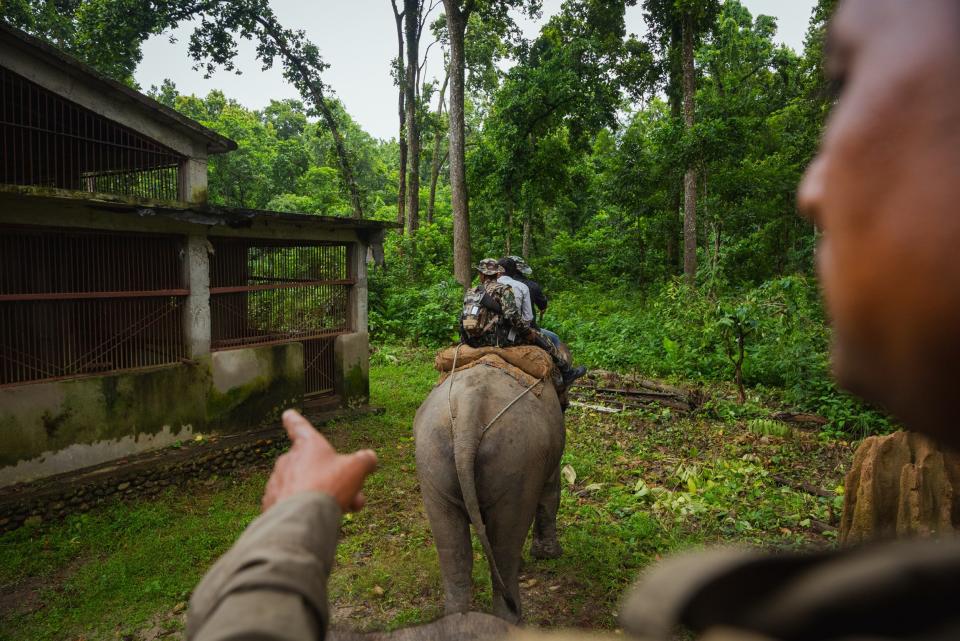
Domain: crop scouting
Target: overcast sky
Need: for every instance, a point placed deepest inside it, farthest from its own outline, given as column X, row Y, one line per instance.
column 358, row 39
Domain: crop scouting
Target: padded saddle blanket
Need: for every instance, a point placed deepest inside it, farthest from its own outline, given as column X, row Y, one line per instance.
column 525, row 363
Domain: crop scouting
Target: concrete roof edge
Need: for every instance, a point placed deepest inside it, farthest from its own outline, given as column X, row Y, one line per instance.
column 210, row 215
column 216, row 143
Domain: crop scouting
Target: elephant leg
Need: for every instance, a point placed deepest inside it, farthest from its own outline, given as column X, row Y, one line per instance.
column 451, row 535
column 508, row 531
column 546, row 544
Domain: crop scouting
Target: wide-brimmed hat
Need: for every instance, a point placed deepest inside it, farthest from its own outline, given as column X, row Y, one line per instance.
column 522, row 265
column 489, row 267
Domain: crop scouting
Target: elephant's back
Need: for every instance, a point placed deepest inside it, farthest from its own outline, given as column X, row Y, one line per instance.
column 481, row 394
column 517, row 425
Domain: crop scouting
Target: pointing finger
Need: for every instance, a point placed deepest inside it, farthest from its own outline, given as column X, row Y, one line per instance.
column 358, row 502
column 299, row 429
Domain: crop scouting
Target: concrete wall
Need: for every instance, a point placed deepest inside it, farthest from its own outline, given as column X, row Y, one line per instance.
column 253, row 386
column 59, row 426
column 351, row 366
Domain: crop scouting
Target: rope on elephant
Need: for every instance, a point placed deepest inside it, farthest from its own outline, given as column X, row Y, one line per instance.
column 453, row 371
column 509, row 405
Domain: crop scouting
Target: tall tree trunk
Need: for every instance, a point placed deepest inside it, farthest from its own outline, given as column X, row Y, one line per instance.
column 456, row 27
column 674, row 228
column 509, row 234
column 412, row 10
column 525, row 251
column 435, row 161
column 401, row 112
column 690, row 177
column 314, row 91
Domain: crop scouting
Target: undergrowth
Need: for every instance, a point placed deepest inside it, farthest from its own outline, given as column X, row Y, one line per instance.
column 638, row 485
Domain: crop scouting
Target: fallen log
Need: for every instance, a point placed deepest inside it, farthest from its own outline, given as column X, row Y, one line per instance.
column 801, row 420
column 596, row 408
column 628, row 391
column 635, row 401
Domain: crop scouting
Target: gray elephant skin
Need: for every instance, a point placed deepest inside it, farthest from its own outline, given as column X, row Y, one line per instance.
column 501, row 480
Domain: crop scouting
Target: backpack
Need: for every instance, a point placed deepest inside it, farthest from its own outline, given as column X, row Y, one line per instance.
column 476, row 321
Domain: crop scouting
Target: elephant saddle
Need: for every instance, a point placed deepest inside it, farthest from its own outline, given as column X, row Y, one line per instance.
column 525, row 363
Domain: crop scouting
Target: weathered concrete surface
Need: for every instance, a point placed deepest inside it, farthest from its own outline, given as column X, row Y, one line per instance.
column 196, row 311
column 193, row 181
column 60, row 426
column 900, row 485
column 357, row 263
column 55, row 497
column 48, row 428
column 254, row 385
column 351, row 363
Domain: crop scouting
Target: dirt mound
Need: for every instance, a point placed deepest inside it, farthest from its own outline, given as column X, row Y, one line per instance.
column 900, row 485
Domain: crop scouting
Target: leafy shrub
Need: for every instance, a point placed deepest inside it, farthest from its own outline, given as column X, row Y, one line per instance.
column 680, row 333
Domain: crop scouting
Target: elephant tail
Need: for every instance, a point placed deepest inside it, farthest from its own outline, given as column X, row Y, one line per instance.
column 467, row 433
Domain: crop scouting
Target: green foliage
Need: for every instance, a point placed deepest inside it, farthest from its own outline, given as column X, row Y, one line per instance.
column 679, row 333
column 572, row 155
column 769, row 427
column 414, row 297
column 643, row 489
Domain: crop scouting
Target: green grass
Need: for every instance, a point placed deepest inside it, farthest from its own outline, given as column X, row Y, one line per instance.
column 648, row 483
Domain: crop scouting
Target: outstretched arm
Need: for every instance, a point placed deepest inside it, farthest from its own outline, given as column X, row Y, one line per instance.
column 272, row 584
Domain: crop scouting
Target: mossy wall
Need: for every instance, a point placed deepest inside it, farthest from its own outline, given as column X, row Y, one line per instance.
column 253, row 386
column 351, row 358
column 60, row 426
column 46, row 428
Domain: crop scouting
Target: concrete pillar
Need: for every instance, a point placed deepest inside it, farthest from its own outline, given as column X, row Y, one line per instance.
column 351, row 364
column 196, row 276
column 357, row 257
column 193, row 180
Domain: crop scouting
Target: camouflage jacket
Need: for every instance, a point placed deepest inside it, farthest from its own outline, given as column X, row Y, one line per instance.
column 507, row 328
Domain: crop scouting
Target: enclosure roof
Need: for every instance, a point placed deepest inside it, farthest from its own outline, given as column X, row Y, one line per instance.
column 210, row 215
column 51, row 55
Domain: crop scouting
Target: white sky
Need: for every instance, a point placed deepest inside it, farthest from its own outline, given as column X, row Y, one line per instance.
column 358, row 39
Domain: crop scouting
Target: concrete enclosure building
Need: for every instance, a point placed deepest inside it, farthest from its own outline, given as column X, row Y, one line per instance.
column 132, row 313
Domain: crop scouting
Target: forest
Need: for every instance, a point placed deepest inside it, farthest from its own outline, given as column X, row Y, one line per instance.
column 649, row 180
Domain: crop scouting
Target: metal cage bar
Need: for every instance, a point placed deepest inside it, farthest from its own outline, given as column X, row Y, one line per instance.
column 318, row 366
column 266, row 292
column 49, row 141
column 75, row 303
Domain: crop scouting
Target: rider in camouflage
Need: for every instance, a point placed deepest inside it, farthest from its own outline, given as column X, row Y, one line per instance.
column 491, row 317
column 490, row 314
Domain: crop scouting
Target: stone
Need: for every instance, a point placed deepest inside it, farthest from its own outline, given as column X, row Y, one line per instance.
column 34, row 520
column 900, row 485
column 123, row 486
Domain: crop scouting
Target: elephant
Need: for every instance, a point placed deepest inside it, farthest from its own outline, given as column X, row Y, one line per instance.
column 488, row 454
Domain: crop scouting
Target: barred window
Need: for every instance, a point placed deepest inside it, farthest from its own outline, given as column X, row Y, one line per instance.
column 49, row 141
column 75, row 303
column 266, row 292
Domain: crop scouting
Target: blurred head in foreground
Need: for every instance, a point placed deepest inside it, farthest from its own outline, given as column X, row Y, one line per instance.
column 884, row 191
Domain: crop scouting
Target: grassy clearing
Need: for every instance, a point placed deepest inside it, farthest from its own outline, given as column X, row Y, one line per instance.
column 646, row 484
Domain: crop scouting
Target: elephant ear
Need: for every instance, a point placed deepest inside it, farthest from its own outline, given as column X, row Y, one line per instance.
column 569, row 474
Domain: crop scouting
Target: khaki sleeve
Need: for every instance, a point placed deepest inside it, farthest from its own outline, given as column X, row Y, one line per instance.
column 272, row 584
